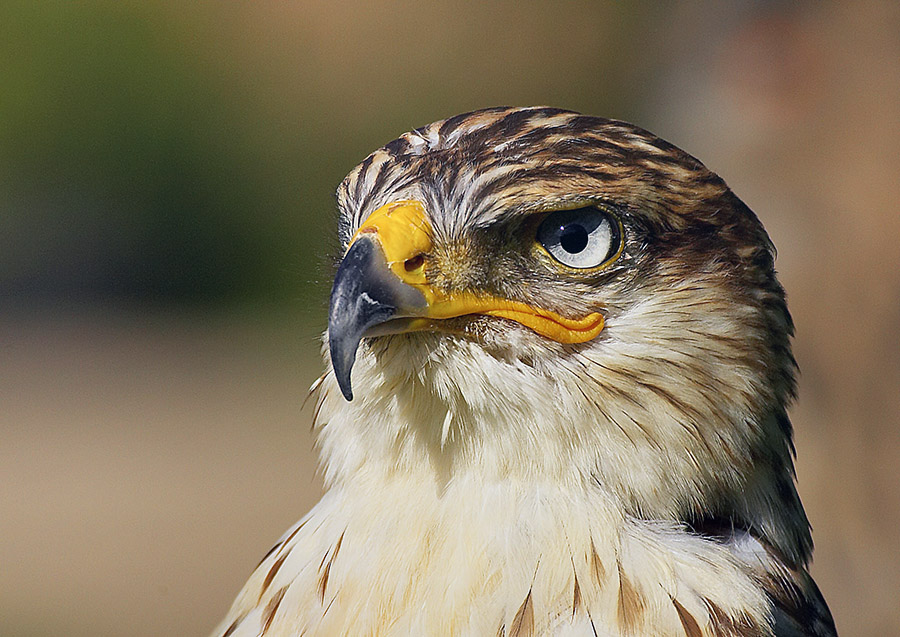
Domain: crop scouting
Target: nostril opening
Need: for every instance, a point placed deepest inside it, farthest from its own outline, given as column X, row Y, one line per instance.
column 414, row 263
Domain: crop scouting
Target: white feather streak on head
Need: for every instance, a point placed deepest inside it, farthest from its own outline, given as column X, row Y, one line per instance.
column 445, row 428
column 452, row 222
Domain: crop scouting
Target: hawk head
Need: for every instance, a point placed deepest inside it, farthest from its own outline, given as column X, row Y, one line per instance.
column 560, row 366
column 534, row 294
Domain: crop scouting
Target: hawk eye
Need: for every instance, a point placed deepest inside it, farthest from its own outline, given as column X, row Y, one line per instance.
column 582, row 238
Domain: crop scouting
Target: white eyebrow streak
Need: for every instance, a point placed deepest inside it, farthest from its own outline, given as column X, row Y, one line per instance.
column 461, row 209
column 462, row 131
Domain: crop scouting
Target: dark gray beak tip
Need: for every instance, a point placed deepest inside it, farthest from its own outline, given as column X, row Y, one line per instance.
column 342, row 359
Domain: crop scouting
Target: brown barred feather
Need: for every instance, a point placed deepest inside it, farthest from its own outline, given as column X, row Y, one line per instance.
column 631, row 605
column 325, row 568
column 272, row 608
column 523, row 623
column 691, row 627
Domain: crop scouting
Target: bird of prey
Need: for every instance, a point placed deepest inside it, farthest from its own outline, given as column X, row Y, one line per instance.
column 555, row 401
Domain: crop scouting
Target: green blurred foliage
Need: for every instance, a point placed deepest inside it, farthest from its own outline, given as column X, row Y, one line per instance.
column 188, row 153
column 119, row 173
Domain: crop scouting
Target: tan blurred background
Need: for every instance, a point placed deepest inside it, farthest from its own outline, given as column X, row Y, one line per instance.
column 166, row 245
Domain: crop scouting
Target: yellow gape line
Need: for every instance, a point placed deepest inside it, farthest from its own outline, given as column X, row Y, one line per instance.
column 404, row 232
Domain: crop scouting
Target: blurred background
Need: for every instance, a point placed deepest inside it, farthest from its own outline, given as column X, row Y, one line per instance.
column 167, row 243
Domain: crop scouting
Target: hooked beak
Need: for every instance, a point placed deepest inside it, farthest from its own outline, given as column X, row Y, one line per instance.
column 382, row 279
column 365, row 294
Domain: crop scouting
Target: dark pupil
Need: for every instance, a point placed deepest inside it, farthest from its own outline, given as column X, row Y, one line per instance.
column 573, row 238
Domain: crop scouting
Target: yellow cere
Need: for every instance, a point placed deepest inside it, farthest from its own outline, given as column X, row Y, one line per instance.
column 404, row 232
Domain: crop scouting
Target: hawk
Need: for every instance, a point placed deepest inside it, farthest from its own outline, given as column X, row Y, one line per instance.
column 555, row 400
